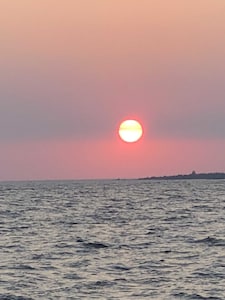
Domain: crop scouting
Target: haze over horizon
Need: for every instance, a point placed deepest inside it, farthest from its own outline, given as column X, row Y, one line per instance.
column 72, row 71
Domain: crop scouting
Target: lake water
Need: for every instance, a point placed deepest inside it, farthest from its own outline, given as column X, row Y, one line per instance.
column 115, row 239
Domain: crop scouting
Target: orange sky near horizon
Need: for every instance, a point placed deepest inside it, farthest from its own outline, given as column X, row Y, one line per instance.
column 112, row 158
column 71, row 71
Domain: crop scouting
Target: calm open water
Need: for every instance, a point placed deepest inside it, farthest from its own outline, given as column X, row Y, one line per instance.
column 121, row 239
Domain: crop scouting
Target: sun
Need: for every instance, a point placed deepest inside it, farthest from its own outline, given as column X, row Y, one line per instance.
column 130, row 131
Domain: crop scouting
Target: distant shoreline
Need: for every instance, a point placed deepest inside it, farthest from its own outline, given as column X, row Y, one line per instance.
column 193, row 175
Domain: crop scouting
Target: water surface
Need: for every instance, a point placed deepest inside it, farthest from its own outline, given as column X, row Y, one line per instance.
column 115, row 239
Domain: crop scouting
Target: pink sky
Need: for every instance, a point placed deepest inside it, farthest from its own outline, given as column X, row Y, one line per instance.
column 70, row 71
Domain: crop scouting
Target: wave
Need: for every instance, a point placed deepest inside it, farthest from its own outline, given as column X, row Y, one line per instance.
column 95, row 245
column 211, row 241
column 13, row 297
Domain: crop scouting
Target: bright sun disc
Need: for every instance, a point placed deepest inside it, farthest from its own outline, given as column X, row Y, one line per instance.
column 130, row 131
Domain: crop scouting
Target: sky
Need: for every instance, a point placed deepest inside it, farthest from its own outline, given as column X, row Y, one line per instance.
column 71, row 71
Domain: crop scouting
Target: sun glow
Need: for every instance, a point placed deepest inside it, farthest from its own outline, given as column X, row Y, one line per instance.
column 130, row 131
